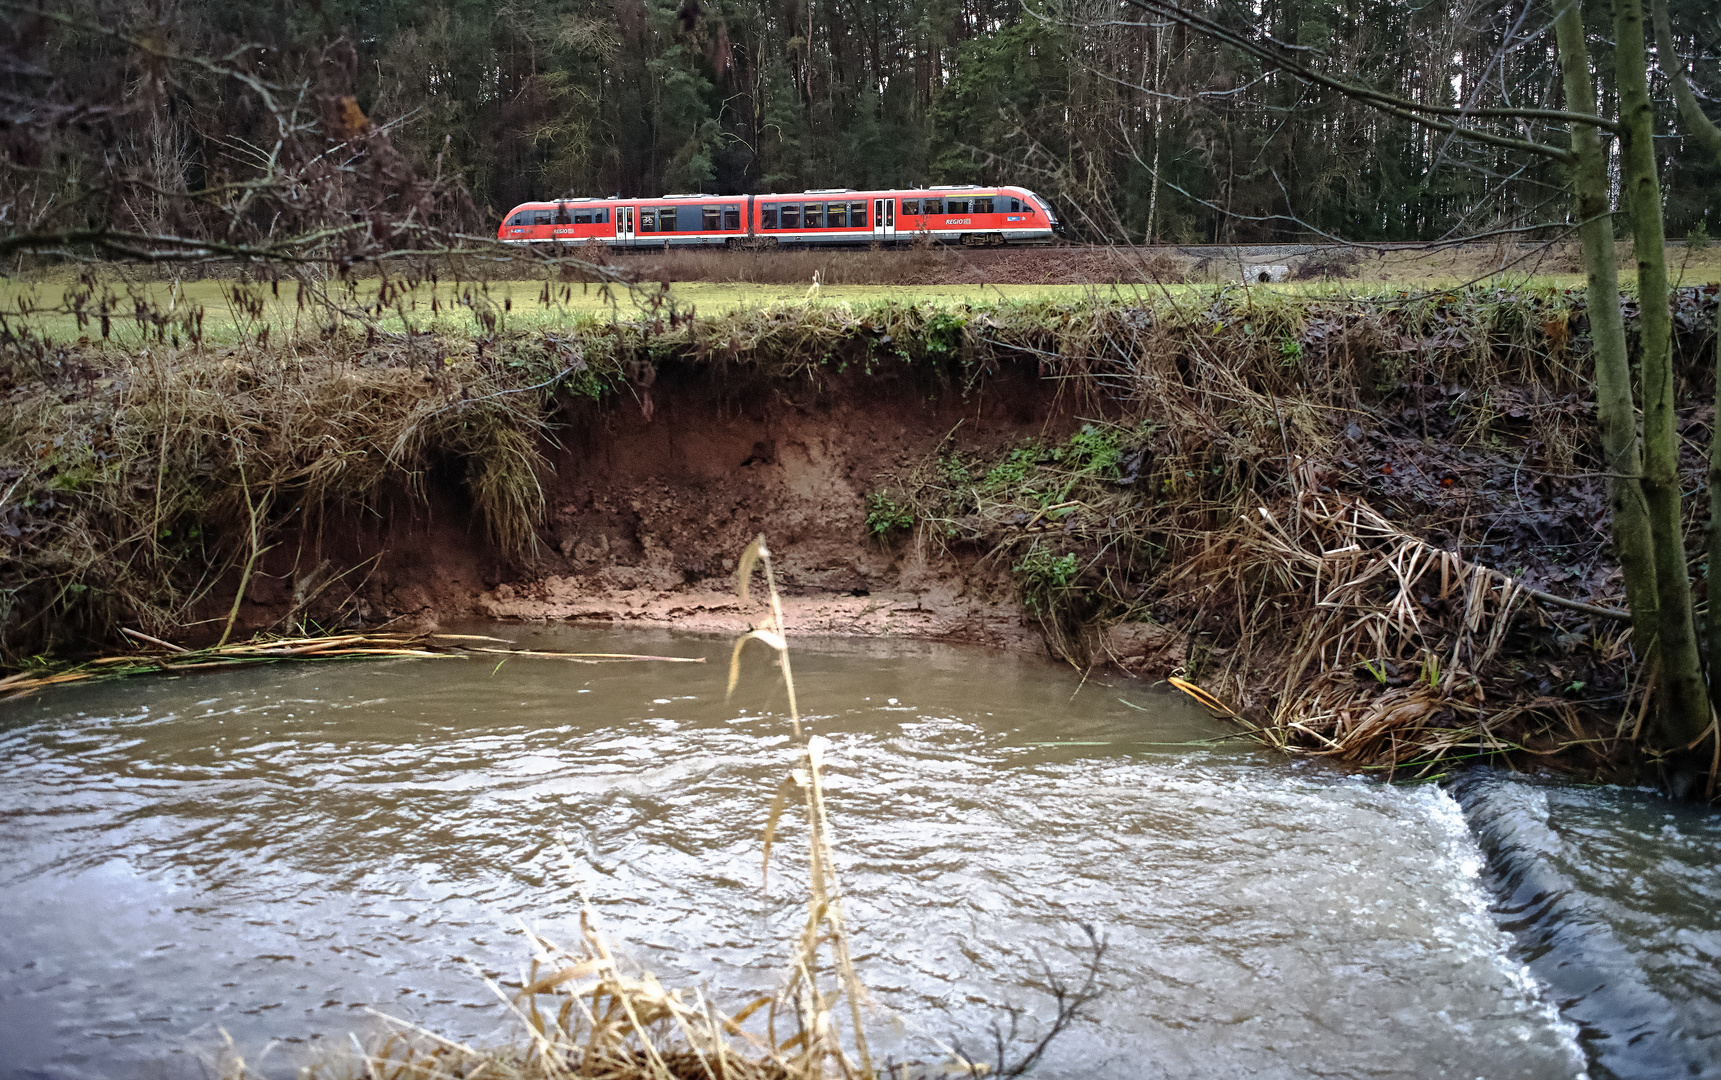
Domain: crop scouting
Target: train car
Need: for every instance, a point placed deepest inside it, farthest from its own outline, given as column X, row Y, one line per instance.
column 683, row 221
column 697, row 220
column 836, row 216
column 968, row 214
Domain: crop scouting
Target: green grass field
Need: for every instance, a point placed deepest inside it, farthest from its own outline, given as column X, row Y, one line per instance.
column 448, row 308
column 224, row 311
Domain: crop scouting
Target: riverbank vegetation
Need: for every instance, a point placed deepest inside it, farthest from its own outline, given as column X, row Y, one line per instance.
column 1378, row 528
column 1374, row 525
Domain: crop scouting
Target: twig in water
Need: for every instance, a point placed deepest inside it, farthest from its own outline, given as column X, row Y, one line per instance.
column 1071, row 1003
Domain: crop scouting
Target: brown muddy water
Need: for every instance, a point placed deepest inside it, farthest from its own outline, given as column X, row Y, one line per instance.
column 269, row 853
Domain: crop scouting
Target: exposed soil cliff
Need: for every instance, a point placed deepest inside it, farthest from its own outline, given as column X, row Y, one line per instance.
column 649, row 497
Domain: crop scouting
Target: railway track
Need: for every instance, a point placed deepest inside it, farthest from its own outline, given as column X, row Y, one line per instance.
column 1246, row 252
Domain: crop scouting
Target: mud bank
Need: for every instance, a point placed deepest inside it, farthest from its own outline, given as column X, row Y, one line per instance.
column 649, row 496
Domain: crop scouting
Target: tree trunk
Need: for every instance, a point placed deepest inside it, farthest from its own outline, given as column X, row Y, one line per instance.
column 1712, row 579
column 1695, row 125
column 1156, row 105
column 1614, row 410
column 1683, row 711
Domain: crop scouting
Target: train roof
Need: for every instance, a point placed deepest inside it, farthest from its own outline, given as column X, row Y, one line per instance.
column 705, row 196
column 889, row 190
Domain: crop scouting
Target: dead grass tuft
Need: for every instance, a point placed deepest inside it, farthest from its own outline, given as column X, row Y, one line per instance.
column 140, row 482
column 1295, row 491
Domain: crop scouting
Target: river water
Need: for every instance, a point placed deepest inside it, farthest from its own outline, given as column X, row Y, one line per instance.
column 268, row 854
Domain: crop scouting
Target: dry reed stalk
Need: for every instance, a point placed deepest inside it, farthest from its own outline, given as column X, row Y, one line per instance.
column 1366, row 590
column 600, row 1021
column 585, row 1014
column 819, row 1039
column 176, row 659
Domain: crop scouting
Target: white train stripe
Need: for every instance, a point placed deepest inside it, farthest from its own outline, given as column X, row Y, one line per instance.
column 709, row 239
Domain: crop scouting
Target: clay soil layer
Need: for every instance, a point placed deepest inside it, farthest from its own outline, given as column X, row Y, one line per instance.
column 650, row 498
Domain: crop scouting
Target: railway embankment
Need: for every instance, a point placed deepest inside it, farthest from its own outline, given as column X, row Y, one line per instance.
column 1373, row 526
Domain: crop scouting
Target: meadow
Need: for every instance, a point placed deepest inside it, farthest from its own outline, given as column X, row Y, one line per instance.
column 224, row 311
column 123, row 308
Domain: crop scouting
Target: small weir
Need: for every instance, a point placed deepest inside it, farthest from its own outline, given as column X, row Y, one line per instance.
column 272, row 852
column 1614, row 899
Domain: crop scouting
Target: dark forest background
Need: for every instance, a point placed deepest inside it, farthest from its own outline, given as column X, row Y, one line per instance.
column 1083, row 100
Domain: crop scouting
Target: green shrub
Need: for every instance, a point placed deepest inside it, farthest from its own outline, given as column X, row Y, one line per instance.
column 1012, row 471
column 953, row 472
column 943, row 335
column 1096, row 449
column 884, row 514
column 1043, row 573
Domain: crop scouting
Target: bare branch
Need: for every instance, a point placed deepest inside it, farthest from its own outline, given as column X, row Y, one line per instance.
column 1391, row 104
column 1698, row 127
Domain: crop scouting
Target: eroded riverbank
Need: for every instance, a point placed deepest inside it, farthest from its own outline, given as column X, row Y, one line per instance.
column 1343, row 514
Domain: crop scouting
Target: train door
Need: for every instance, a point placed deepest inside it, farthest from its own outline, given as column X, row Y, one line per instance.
column 884, row 219
column 624, row 226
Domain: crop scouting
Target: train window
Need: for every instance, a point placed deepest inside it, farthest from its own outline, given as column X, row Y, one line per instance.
column 956, row 206
column 983, row 206
column 582, row 217
column 1015, row 206
column 647, row 219
column 601, row 217
column 517, row 219
column 791, row 216
column 932, row 206
column 768, row 216
column 711, row 217
column 911, row 206
column 731, row 218
column 540, row 217
column 562, row 216
column 837, row 217
column 813, row 215
column 857, row 215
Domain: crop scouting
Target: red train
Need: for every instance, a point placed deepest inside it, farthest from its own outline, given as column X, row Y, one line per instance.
column 967, row 214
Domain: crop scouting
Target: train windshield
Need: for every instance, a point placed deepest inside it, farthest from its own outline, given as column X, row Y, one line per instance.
column 1051, row 215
